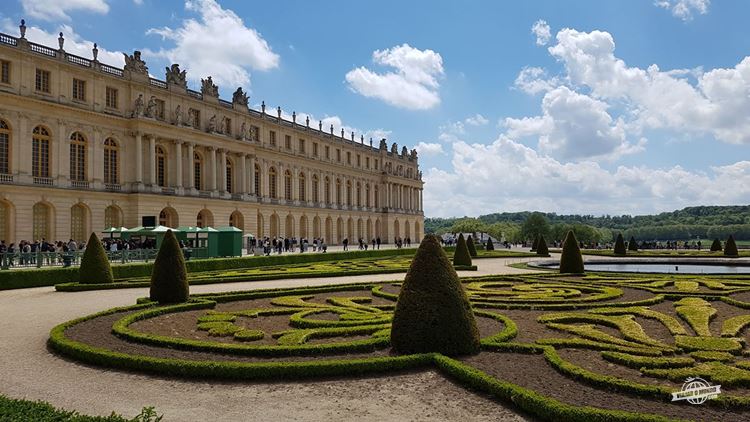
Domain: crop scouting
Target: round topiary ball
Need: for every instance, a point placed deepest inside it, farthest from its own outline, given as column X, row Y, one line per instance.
column 461, row 256
column 730, row 248
column 94, row 267
column 571, row 260
column 169, row 276
column 620, row 245
column 433, row 313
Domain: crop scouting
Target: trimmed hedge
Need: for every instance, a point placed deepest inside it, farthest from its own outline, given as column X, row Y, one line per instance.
column 489, row 246
column 730, row 248
column 39, row 411
column 620, row 245
column 716, row 245
column 541, row 247
column 472, row 247
column 571, row 261
column 433, row 313
column 95, row 267
column 169, row 279
column 535, row 243
column 632, row 244
column 461, row 256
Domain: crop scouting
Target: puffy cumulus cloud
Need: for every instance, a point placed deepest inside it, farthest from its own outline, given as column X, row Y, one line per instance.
column 57, row 10
column 716, row 103
column 505, row 176
column 74, row 43
column 574, row 126
column 684, row 9
column 542, row 32
column 414, row 83
column 218, row 44
column 476, row 120
column 425, row 148
column 534, row 80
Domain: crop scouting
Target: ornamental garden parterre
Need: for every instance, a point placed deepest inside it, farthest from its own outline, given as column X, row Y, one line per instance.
column 559, row 346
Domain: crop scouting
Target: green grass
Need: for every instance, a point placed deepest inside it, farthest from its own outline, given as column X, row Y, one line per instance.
column 15, row 410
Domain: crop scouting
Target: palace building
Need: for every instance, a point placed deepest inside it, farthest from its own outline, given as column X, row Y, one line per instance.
column 85, row 146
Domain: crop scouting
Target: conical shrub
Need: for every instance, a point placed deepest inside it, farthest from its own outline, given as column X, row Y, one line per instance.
column 461, row 256
column 535, row 243
column 632, row 244
column 541, row 247
column 571, row 261
column 433, row 313
column 620, row 245
column 472, row 247
column 716, row 246
column 169, row 276
column 95, row 267
column 489, row 246
column 730, row 247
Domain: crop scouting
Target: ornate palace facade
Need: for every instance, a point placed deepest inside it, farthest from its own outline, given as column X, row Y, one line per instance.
column 85, row 146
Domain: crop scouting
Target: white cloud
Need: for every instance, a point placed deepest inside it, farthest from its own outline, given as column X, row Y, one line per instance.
column 57, row 10
column 476, row 120
column 509, row 176
column 684, row 9
column 414, row 85
column 424, row 148
column 74, row 43
column 574, row 126
column 542, row 32
column 534, row 80
column 716, row 104
column 138, row 2
column 218, row 45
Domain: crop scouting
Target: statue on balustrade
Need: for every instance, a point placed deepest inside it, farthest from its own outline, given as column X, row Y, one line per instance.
column 239, row 97
column 178, row 117
column 223, row 125
column 177, row 77
column 138, row 106
column 135, row 64
column 404, row 151
column 151, row 107
column 209, row 88
column 191, row 117
column 212, row 124
column 394, row 148
column 414, row 154
column 383, row 144
column 242, row 136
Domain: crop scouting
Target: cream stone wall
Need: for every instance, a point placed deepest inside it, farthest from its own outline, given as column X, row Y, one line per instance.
column 388, row 205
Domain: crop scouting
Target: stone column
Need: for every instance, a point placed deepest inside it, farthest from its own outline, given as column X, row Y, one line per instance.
column 139, row 159
column 95, row 161
column 190, row 167
column 242, row 177
column 295, row 184
column 212, row 173
column 151, row 160
column 178, row 164
column 251, row 176
column 223, row 170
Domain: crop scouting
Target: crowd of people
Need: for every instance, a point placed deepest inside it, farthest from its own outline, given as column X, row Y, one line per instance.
column 268, row 245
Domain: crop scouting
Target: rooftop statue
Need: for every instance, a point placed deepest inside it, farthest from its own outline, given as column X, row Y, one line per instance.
column 240, row 97
column 176, row 77
column 209, row 88
column 135, row 64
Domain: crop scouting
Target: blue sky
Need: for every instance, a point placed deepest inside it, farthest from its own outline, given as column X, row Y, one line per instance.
column 619, row 107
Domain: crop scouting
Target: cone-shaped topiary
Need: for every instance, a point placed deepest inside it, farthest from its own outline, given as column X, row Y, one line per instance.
column 94, row 264
column 716, row 246
column 169, row 276
column 472, row 247
column 461, row 256
column 571, row 260
column 535, row 243
column 730, row 247
column 489, row 246
column 632, row 244
column 620, row 245
column 433, row 313
column 541, row 247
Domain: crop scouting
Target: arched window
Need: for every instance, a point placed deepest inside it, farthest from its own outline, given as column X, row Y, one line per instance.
column 161, row 167
column 111, row 162
column 315, row 186
column 302, row 193
column 257, row 180
column 272, row 183
column 229, row 176
column 4, row 148
column 367, row 195
column 338, row 191
column 349, row 193
column 112, row 217
column 359, row 194
column 377, row 201
column 168, row 217
column 327, row 190
column 200, row 221
column 77, row 157
column 40, row 152
column 78, row 223
column 197, row 171
column 288, row 185
column 41, row 216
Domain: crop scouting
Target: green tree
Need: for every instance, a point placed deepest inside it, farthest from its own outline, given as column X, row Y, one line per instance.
column 632, row 244
column 169, row 276
column 541, row 247
column 472, row 247
column 489, row 246
column 433, row 314
column 571, row 260
column 468, row 225
column 620, row 245
column 95, row 264
column 536, row 224
column 716, row 245
column 730, row 248
column 461, row 256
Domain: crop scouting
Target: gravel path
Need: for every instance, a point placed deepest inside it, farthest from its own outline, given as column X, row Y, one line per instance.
column 30, row 371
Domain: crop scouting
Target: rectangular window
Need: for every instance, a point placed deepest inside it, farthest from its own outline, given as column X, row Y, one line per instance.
column 315, row 149
column 5, row 71
column 42, row 80
column 256, row 132
column 272, row 138
column 348, row 158
column 302, row 146
column 111, row 100
column 196, row 118
column 229, row 126
column 359, row 161
column 79, row 90
column 288, row 141
column 160, row 109
column 376, row 164
column 328, row 152
column 367, row 162
column 338, row 155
